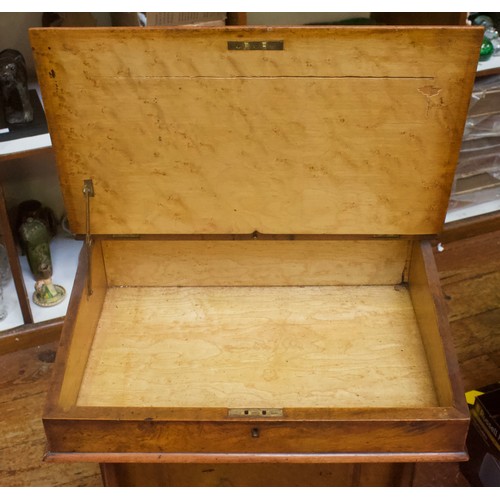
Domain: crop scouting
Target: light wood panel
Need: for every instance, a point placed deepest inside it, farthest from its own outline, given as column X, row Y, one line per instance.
column 254, row 263
column 78, row 331
column 182, row 136
column 425, row 294
column 257, row 347
column 308, row 51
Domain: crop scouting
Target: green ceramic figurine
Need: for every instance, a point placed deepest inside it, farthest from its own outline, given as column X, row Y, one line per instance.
column 35, row 240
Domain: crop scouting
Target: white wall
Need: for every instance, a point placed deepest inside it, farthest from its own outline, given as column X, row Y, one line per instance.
column 14, row 33
column 33, row 177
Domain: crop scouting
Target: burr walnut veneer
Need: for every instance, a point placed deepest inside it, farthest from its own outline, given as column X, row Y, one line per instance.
column 256, row 290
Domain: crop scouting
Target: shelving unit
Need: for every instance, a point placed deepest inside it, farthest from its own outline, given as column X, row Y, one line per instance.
column 485, row 210
column 26, row 323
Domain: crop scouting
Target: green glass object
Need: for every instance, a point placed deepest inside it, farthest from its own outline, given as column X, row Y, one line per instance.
column 487, row 50
column 35, row 240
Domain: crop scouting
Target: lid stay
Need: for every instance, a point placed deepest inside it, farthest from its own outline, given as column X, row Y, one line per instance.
column 88, row 192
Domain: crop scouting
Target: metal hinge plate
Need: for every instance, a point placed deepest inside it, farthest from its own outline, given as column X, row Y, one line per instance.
column 256, row 45
column 255, row 412
column 88, row 192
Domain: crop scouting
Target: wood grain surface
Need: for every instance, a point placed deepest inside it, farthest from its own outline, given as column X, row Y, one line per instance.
column 255, row 263
column 81, row 321
column 332, row 135
column 253, row 475
column 257, row 347
column 427, row 314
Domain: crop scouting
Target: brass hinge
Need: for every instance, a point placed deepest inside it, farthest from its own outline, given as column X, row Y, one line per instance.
column 88, row 192
column 256, row 45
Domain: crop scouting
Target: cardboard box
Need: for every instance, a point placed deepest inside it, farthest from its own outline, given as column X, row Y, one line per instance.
column 186, row 18
column 168, row 18
column 483, row 443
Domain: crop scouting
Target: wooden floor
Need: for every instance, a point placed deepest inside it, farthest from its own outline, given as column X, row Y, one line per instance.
column 470, row 277
column 25, row 377
column 470, row 273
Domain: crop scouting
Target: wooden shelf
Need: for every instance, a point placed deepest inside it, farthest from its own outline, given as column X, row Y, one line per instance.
column 26, row 146
column 64, row 252
column 26, row 323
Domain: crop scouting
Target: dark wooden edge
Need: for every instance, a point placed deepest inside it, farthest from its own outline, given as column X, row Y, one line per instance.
column 220, row 415
column 472, row 226
column 31, row 335
column 206, row 30
column 257, row 236
column 344, row 436
column 67, row 332
column 254, row 457
column 108, row 474
column 24, row 154
column 420, row 18
column 489, row 72
column 436, row 292
column 15, row 265
column 236, row 19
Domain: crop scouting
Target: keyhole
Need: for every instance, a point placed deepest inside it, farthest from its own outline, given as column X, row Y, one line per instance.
column 255, row 432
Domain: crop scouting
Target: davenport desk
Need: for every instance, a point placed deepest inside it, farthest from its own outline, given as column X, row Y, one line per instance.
column 257, row 300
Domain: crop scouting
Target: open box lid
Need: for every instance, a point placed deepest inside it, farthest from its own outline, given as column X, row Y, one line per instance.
column 310, row 130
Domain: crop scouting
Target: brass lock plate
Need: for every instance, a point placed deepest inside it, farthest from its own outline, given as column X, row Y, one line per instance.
column 255, row 412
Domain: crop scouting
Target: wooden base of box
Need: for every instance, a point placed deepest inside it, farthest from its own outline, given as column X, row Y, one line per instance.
column 253, row 475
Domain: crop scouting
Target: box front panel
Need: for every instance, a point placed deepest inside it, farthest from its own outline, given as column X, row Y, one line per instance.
column 161, row 441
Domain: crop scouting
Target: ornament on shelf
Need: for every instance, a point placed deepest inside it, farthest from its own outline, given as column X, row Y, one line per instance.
column 34, row 229
column 14, row 86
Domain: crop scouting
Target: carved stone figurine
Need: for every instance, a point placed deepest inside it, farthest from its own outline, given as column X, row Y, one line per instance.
column 14, row 85
column 35, row 240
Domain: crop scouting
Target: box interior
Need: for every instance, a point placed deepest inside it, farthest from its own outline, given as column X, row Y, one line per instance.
column 345, row 346
column 346, row 337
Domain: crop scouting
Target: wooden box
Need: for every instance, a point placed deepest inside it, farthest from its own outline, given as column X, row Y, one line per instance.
column 257, row 285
